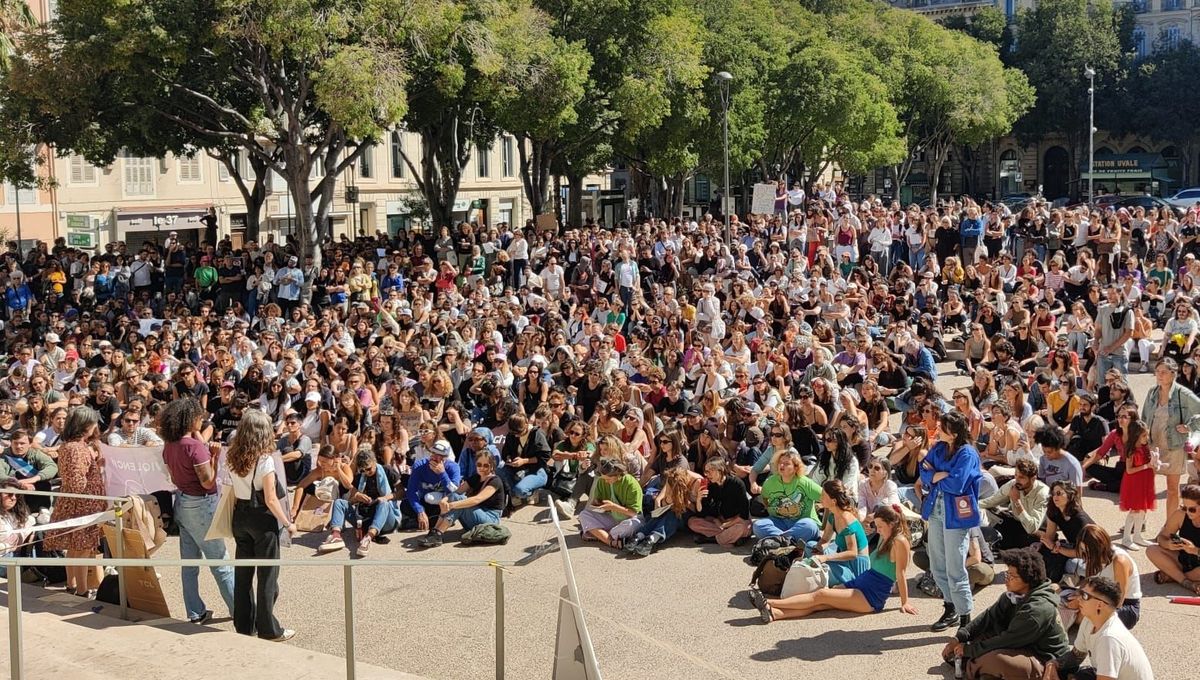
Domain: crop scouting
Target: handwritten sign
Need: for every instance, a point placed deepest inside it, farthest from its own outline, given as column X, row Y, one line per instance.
column 764, row 199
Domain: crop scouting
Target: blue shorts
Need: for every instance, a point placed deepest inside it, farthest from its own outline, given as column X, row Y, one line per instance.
column 874, row 586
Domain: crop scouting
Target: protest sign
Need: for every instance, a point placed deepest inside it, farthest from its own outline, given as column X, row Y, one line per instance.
column 764, row 199
column 134, row 470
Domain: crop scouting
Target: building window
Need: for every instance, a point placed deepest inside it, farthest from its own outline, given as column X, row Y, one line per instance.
column 366, row 162
column 481, row 161
column 507, row 166
column 189, row 169
column 82, row 172
column 1171, row 37
column 1010, row 173
column 239, row 164
column 138, row 175
column 1139, row 42
column 397, row 154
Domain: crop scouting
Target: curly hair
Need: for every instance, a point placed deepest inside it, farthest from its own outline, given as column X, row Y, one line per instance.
column 177, row 418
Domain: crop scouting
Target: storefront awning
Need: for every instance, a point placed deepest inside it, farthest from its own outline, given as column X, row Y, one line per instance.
column 1122, row 166
column 165, row 219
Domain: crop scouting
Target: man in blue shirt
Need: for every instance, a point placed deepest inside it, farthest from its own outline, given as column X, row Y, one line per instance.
column 290, row 280
column 431, row 479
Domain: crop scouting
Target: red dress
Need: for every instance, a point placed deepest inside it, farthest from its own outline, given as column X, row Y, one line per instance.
column 1137, row 488
column 79, row 468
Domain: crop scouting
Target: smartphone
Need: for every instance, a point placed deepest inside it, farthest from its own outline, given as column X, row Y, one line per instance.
column 1176, row 538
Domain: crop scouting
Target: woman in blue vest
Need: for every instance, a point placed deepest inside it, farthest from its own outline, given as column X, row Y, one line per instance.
column 949, row 488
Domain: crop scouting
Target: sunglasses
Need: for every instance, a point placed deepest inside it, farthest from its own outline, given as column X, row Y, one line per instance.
column 1191, row 509
column 1086, row 596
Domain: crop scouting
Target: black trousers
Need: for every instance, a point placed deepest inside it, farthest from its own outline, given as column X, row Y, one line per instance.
column 1012, row 535
column 1109, row 477
column 256, row 534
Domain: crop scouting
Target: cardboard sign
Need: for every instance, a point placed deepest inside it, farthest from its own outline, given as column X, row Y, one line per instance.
column 547, row 222
column 763, row 202
column 314, row 514
column 142, row 590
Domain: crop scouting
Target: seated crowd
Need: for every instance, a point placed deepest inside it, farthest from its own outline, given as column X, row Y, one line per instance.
column 651, row 379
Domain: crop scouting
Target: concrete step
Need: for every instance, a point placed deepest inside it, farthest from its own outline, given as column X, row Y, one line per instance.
column 69, row 637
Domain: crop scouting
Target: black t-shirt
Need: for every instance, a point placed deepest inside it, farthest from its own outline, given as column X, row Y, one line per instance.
column 1070, row 527
column 234, row 286
column 226, row 422
column 1086, row 436
column 494, row 502
column 727, row 501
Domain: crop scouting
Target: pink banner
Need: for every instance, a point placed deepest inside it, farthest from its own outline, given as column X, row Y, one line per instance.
column 134, row 470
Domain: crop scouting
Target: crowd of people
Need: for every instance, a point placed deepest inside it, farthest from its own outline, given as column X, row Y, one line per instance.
column 650, row 378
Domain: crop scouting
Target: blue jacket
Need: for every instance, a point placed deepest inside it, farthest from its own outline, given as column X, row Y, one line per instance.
column 423, row 480
column 959, row 491
column 18, row 297
column 923, row 363
column 971, row 228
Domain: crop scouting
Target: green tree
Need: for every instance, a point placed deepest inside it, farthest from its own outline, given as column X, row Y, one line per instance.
column 300, row 86
column 1057, row 40
column 16, row 17
column 1166, row 95
column 988, row 25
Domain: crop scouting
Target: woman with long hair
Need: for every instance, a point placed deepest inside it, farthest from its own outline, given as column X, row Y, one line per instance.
column 847, row 555
column 866, row 593
column 949, row 491
column 722, row 511
column 679, row 487
column 82, row 472
column 258, row 518
column 1121, row 439
column 1101, row 558
column 837, row 461
column 1065, row 517
column 16, row 523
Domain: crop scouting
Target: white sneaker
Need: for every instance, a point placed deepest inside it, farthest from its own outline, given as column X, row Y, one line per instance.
column 288, row 634
column 1141, row 540
column 1127, row 543
column 566, row 510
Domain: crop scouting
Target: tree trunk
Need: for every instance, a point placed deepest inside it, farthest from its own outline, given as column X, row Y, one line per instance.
column 574, row 201
column 535, row 172
column 559, row 214
column 257, row 198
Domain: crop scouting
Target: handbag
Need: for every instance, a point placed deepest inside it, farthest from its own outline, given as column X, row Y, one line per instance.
column 805, row 576
column 222, row 521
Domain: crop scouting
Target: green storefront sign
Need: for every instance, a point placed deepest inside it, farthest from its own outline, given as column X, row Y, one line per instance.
column 81, row 239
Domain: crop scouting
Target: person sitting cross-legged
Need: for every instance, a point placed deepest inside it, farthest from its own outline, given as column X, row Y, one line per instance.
column 1017, row 636
column 1114, row 653
column 369, row 501
column 483, row 506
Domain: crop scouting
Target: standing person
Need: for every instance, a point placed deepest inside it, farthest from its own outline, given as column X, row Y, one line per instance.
column 82, row 472
column 193, row 472
column 290, row 280
column 949, row 485
column 258, row 516
column 1114, row 328
column 1114, row 652
column 1168, row 409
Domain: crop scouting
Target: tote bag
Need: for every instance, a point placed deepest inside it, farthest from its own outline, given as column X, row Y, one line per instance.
column 805, row 576
column 222, row 522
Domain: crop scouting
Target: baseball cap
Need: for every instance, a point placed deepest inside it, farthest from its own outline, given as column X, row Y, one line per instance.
column 442, row 448
column 313, row 396
column 52, row 338
column 227, row 383
column 692, row 411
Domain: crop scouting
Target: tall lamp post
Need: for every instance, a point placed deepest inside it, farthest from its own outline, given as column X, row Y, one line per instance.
column 723, row 79
column 1090, row 73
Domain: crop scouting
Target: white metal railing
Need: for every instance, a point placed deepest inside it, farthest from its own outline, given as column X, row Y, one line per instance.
column 16, row 564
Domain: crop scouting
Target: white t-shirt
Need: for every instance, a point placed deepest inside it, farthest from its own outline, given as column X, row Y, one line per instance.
column 1113, row 650
column 244, row 487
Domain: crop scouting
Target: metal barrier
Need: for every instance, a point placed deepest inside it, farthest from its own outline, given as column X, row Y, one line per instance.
column 15, row 565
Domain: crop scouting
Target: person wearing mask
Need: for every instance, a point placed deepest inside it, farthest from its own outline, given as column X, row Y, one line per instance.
column 1114, row 653
column 949, row 492
column 1018, row 509
column 1020, row 634
column 258, row 519
column 190, row 463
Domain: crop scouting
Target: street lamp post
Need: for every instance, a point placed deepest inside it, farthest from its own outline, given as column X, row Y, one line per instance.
column 1091, row 76
column 724, row 77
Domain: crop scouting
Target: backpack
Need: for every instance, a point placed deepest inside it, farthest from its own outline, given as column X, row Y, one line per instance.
column 772, row 571
column 769, row 547
column 487, row 533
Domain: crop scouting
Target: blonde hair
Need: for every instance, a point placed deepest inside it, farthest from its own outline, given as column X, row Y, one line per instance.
column 253, row 437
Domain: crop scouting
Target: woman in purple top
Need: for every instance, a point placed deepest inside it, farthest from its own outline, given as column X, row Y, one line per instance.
column 193, row 472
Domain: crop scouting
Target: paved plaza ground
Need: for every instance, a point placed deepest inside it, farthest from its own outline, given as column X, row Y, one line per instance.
column 680, row 613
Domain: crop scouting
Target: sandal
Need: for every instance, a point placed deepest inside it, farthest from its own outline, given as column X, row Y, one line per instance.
column 1162, row 579
column 1193, row 586
column 615, row 543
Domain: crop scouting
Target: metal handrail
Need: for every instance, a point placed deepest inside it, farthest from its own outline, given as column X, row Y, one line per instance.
column 16, row 564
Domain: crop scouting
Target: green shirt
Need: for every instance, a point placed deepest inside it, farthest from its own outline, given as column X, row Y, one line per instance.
column 206, row 277
column 626, row 492
column 794, row 500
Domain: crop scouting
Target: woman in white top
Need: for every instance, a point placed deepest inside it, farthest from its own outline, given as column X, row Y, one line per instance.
column 258, row 517
column 315, row 424
column 1098, row 556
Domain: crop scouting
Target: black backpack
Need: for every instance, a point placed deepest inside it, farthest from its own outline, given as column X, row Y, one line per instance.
column 775, row 559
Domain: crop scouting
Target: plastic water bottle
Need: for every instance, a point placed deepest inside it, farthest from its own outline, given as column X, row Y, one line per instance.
column 958, row 668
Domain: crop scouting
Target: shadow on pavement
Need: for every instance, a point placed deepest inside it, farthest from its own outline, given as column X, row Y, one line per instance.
column 834, row 643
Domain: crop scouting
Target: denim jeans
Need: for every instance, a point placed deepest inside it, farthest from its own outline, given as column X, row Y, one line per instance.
column 948, row 559
column 1107, row 361
column 471, row 517
column 524, row 487
column 383, row 516
column 802, row 531
column 664, row 525
column 194, row 515
column 916, row 258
